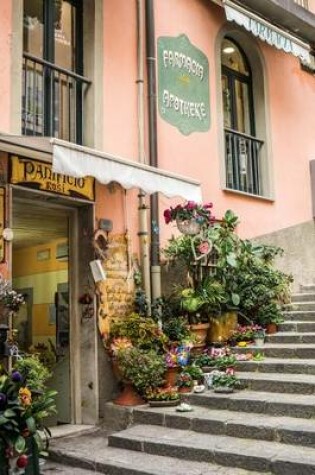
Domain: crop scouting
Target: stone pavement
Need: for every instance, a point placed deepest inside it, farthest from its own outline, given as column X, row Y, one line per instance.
column 52, row 468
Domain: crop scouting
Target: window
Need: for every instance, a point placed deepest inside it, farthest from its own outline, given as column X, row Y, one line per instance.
column 53, row 84
column 242, row 148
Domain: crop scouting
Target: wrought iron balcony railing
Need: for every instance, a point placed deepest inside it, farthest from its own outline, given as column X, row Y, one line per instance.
column 52, row 101
column 242, row 161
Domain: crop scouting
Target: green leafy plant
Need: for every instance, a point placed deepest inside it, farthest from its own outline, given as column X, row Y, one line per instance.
column 23, row 409
column 204, row 360
column 33, row 371
column 144, row 369
column 225, row 380
column 224, row 362
column 143, row 332
column 194, row 372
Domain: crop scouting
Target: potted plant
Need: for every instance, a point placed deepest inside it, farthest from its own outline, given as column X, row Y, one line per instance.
column 225, row 382
column 205, row 361
column 222, row 363
column 259, row 337
column 195, row 372
column 184, row 382
column 163, row 396
column 24, row 404
column 140, row 369
column 190, row 216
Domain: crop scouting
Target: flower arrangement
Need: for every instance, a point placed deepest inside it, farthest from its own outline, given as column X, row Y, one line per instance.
column 190, row 210
column 168, row 393
column 22, row 411
column 245, row 333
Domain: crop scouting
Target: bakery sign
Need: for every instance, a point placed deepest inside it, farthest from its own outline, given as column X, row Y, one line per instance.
column 183, row 75
column 39, row 175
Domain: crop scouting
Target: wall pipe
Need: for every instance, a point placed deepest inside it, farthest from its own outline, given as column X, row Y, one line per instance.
column 152, row 113
column 142, row 207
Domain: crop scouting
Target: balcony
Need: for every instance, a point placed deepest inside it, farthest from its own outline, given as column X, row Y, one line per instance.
column 242, row 161
column 52, row 100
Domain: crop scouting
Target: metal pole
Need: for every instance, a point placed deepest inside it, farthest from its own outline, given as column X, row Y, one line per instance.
column 152, row 113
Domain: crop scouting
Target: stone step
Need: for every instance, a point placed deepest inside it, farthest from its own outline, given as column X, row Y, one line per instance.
column 288, row 430
column 281, row 350
column 277, row 404
column 303, row 297
column 291, row 337
column 279, row 382
column 99, row 458
column 278, row 365
column 289, row 326
column 307, row 288
column 300, row 316
column 264, row 456
column 302, row 306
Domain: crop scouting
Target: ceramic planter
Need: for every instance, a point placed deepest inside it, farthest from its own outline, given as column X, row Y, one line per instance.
column 200, row 331
column 185, row 389
column 223, row 389
column 221, row 328
column 271, row 328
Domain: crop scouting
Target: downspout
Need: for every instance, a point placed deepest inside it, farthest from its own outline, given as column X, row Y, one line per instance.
column 142, row 208
column 152, row 110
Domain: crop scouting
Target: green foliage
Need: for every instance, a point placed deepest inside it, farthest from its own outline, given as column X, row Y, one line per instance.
column 23, row 406
column 204, row 360
column 144, row 369
column 169, row 393
column 194, row 372
column 224, row 362
column 34, row 372
column 225, row 380
column 143, row 332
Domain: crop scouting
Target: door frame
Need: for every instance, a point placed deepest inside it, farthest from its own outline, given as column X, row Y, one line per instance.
column 72, row 206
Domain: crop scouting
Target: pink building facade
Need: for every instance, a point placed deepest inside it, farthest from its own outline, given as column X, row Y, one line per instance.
column 225, row 97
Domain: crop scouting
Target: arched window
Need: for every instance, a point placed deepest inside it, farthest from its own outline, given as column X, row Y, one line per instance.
column 242, row 148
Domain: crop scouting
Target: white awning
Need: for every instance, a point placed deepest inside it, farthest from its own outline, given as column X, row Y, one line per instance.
column 78, row 161
column 267, row 32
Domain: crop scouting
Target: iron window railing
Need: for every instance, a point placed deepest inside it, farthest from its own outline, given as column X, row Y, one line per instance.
column 52, row 100
column 242, row 161
column 302, row 3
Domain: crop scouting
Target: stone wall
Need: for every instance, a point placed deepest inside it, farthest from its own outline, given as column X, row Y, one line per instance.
column 298, row 243
column 116, row 295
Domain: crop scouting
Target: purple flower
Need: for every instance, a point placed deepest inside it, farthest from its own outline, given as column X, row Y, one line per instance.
column 16, row 376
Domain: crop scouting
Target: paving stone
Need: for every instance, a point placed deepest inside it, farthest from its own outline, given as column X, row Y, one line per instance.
column 302, row 306
column 300, row 315
column 275, row 382
column 278, row 365
column 291, row 337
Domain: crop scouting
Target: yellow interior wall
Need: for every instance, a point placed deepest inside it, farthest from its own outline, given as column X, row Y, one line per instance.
column 43, row 277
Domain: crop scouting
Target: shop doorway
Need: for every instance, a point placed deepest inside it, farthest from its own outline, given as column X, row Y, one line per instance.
column 41, row 271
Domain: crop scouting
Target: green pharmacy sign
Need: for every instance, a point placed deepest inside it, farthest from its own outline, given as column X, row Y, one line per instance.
column 183, row 75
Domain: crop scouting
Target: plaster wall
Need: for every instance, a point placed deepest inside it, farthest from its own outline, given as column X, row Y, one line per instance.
column 290, row 99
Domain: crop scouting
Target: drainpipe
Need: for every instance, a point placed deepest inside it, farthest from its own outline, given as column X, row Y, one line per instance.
column 142, row 208
column 152, row 112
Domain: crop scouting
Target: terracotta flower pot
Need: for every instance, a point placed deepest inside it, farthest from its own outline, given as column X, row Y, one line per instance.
column 185, row 389
column 129, row 397
column 171, row 375
column 200, row 331
column 271, row 328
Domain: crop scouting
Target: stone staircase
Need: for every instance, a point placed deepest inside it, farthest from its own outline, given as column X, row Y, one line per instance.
column 267, row 428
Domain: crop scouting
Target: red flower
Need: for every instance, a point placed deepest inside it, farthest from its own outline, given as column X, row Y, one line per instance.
column 190, row 205
column 167, row 216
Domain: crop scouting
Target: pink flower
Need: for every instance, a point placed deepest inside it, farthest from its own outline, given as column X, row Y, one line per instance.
column 208, row 205
column 167, row 216
column 204, row 247
column 190, row 205
column 230, row 371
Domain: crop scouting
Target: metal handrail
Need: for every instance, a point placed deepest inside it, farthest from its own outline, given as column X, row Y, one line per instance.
column 53, row 66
